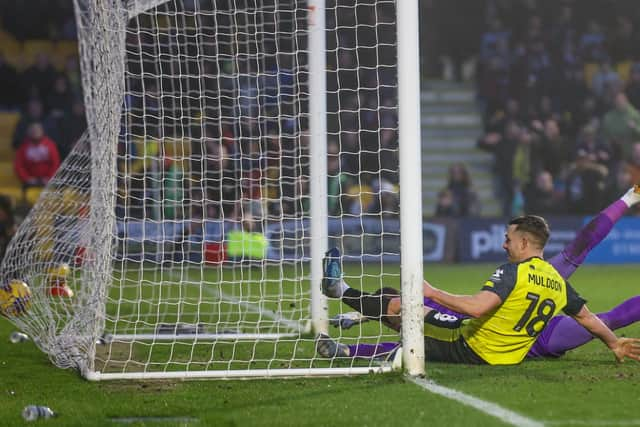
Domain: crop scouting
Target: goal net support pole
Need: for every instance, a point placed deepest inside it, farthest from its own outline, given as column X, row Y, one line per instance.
column 318, row 150
column 407, row 13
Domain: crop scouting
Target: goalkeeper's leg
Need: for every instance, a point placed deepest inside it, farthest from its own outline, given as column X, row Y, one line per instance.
column 589, row 236
column 327, row 347
column 383, row 305
column 563, row 333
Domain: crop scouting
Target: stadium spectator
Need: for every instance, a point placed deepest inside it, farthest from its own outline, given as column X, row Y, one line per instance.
column 572, row 93
column 632, row 164
column 563, row 30
column 39, row 78
column 589, row 146
column 7, row 224
column 72, row 73
column 349, row 156
column 552, row 150
column 356, row 200
column 593, row 43
column 70, row 125
column 60, row 97
column 503, row 147
column 633, row 86
column 605, row 80
column 623, row 44
column 493, row 84
column 621, row 181
column 10, row 95
column 539, row 69
column 220, row 181
column 37, row 158
column 588, row 113
column 34, row 113
column 386, row 200
column 510, row 112
column 337, row 181
column 252, row 166
column 541, row 198
column 554, row 57
column 490, row 40
column 524, row 158
column 465, row 199
column 585, row 185
column 545, row 111
column 621, row 125
column 272, row 188
column 445, row 206
column 389, row 155
column 173, row 194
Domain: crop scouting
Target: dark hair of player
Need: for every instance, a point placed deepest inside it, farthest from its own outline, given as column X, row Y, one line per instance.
column 534, row 225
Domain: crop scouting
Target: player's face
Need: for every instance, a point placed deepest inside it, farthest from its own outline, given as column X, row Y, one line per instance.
column 513, row 244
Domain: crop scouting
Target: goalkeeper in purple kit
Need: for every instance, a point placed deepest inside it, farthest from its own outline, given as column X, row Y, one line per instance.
column 561, row 333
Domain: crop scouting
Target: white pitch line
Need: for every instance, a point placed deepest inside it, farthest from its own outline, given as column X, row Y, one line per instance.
column 594, row 422
column 488, row 408
column 251, row 308
column 296, row 326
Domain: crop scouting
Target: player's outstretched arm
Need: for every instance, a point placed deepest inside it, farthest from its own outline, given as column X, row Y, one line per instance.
column 469, row 305
column 621, row 347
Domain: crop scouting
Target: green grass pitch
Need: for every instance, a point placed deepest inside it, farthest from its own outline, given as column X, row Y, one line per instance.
column 583, row 388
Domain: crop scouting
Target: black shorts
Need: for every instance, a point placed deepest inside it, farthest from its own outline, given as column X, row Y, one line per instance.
column 451, row 352
column 444, row 343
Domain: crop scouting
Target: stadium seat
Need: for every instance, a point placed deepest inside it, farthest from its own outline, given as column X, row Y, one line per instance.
column 13, row 192
column 9, row 46
column 31, row 48
column 590, row 69
column 7, row 175
column 624, row 70
column 32, row 194
column 63, row 50
column 66, row 48
column 8, row 122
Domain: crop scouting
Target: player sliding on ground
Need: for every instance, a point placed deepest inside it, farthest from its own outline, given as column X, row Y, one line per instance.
column 512, row 317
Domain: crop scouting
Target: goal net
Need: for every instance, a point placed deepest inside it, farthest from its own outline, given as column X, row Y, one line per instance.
column 182, row 221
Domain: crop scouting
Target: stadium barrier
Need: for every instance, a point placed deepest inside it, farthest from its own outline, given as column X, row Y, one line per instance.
column 365, row 240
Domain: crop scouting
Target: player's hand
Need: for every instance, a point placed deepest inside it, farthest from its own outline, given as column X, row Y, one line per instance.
column 627, row 347
column 427, row 289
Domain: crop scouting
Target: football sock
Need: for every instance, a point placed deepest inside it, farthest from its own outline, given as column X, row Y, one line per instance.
column 343, row 286
column 372, row 350
column 373, row 306
column 567, row 334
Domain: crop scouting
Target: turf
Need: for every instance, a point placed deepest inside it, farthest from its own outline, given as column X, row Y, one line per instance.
column 583, row 388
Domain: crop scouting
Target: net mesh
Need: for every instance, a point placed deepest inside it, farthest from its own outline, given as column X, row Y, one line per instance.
column 183, row 213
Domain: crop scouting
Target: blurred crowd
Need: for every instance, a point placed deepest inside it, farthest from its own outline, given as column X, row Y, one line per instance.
column 558, row 83
column 47, row 94
column 237, row 111
column 559, row 87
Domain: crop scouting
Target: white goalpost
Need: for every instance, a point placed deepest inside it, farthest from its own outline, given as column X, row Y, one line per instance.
column 230, row 144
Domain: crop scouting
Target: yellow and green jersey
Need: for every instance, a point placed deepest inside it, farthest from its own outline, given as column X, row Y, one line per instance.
column 532, row 292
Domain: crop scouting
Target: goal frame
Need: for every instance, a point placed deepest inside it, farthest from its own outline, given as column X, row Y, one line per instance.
column 410, row 202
